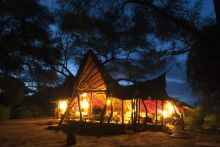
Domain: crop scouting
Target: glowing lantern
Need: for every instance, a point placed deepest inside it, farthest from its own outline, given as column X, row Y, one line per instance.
column 85, row 104
column 165, row 114
column 170, row 108
column 108, row 102
column 62, row 106
column 84, row 94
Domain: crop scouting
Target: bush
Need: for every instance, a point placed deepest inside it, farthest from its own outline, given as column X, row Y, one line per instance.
column 199, row 118
column 211, row 121
column 29, row 111
column 194, row 119
column 36, row 111
column 4, row 113
column 22, row 112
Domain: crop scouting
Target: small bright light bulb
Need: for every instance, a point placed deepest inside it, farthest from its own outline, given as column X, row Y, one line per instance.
column 84, row 95
column 108, row 102
column 85, row 104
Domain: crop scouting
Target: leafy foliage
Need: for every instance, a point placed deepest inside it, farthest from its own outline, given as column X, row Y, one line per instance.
column 211, row 121
column 28, row 111
column 200, row 118
column 194, row 119
column 12, row 91
column 204, row 65
column 124, row 36
column 27, row 49
column 5, row 113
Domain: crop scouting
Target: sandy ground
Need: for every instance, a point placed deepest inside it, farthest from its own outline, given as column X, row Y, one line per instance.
column 33, row 132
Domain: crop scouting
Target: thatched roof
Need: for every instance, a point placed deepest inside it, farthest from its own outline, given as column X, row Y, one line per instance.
column 92, row 76
column 155, row 89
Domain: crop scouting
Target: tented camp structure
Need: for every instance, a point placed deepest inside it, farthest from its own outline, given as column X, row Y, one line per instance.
column 97, row 97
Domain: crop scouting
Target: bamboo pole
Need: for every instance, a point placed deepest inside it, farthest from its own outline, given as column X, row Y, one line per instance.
column 122, row 112
column 162, row 112
column 132, row 112
column 156, row 111
column 110, row 117
column 139, row 110
column 90, row 106
column 67, row 110
column 136, row 117
column 145, row 112
column 80, row 112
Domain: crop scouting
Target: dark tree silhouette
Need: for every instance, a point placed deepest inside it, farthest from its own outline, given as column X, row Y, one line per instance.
column 27, row 50
column 125, row 33
column 203, row 64
column 111, row 28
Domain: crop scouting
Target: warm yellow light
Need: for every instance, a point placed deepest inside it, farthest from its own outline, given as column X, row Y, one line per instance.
column 108, row 102
column 62, row 106
column 170, row 108
column 84, row 95
column 165, row 114
column 85, row 104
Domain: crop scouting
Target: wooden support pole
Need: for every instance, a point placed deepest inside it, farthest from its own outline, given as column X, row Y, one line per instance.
column 156, row 111
column 162, row 112
column 139, row 110
column 135, row 111
column 90, row 106
column 67, row 110
column 136, row 118
column 79, row 106
column 122, row 111
column 145, row 121
column 110, row 117
column 132, row 112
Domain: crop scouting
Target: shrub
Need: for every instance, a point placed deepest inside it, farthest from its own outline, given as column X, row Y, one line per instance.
column 22, row 112
column 200, row 118
column 4, row 113
column 28, row 111
column 36, row 111
column 211, row 121
column 194, row 119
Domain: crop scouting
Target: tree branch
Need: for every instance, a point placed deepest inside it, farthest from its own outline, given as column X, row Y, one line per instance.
column 178, row 21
